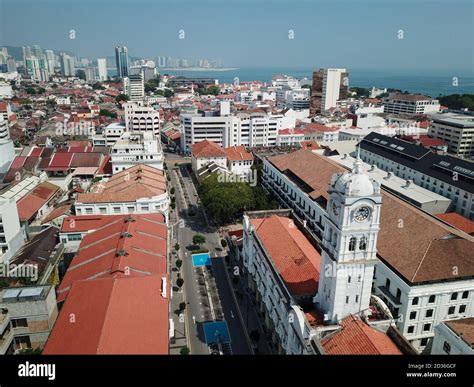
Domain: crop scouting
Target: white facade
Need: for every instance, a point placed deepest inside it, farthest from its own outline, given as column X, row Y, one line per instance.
column 12, row 235
column 159, row 203
column 248, row 129
column 457, row 130
column 134, row 87
column 421, row 308
column 141, row 118
column 6, row 90
column 410, row 104
column 367, row 118
column 448, row 342
column 7, row 150
column 349, row 252
column 331, row 85
column 199, row 162
column 136, row 148
column 102, row 69
column 110, row 135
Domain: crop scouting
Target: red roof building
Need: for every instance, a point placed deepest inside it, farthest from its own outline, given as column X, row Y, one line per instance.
column 206, row 148
column 458, row 221
column 355, row 337
column 34, row 203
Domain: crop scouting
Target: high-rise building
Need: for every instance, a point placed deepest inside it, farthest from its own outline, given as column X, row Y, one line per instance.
column 90, row 73
column 329, row 86
column 102, row 69
column 161, row 61
column 67, row 65
column 11, row 65
column 26, row 53
column 122, row 61
column 134, row 87
column 50, row 61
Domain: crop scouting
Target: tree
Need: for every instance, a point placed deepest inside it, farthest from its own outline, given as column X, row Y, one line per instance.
column 81, row 74
column 199, row 239
column 180, row 282
column 173, row 206
column 107, row 113
column 458, row 101
column 177, row 246
column 179, row 263
column 224, row 243
column 172, row 191
column 182, row 306
column 30, row 90
column 184, row 351
column 122, row 97
column 98, row 86
column 168, row 93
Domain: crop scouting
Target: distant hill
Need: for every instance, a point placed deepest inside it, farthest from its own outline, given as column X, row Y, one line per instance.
column 458, row 101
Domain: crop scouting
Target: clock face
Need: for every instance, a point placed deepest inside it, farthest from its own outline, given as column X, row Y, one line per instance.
column 335, row 208
column 362, row 213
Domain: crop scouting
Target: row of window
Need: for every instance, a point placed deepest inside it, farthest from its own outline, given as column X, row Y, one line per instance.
column 429, row 312
column 432, row 298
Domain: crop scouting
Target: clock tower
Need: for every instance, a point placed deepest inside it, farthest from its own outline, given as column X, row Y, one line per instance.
column 349, row 244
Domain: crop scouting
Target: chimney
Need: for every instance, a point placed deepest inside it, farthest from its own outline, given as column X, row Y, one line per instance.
column 408, row 184
column 389, row 175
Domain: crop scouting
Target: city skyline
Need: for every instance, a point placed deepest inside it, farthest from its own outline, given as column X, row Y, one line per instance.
column 391, row 40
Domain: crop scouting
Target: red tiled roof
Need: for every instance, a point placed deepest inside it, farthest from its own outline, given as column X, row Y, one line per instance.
column 126, row 315
column 86, row 160
column 56, row 213
column 131, row 184
column 36, row 151
column 60, row 160
column 105, row 167
column 86, row 222
column 458, row 221
column 290, row 131
column 294, row 257
column 207, row 148
column 314, row 127
column 238, row 153
column 119, row 248
column 355, row 337
column 29, row 204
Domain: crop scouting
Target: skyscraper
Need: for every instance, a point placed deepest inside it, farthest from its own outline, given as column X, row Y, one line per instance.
column 329, row 86
column 134, row 87
column 67, row 65
column 50, row 62
column 121, row 61
column 102, row 69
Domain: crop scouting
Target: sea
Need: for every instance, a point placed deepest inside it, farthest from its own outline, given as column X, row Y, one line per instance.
column 433, row 84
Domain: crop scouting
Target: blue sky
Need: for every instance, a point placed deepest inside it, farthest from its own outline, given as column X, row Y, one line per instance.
column 360, row 34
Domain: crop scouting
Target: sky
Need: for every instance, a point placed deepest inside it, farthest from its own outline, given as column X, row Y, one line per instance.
column 438, row 35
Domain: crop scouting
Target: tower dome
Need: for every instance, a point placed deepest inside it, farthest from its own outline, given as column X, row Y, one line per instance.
column 355, row 183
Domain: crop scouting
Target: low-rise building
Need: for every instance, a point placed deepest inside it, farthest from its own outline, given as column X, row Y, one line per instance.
column 140, row 189
column 410, row 104
column 454, row 337
column 206, row 152
column 27, row 316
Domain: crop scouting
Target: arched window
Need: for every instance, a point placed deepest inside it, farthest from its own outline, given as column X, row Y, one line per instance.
column 363, row 243
column 352, row 244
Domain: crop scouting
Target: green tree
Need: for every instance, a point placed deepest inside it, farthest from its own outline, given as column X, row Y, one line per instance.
column 107, row 113
column 182, row 306
column 81, row 74
column 177, row 246
column 199, row 239
column 184, row 351
column 180, row 282
column 30, row 90
column 122, row 97
column 179, row 263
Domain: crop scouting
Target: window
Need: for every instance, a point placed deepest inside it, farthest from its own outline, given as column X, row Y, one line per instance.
column 465, row 295
column 88, row 211
column 399, row 294
column 357, row 298
column 387, row 283
column 415, row 301
column 431, row 299
column 349, row 279
column 454, row 296
column 426, row 327
column 347, row 299
column 411, row 329
column 451, row 310
column 359, row 277
column 462, row 308
column 363, row 243
column 423, row 342
column 447, row 347
column 116, row 210
column 19, row 323
column 412, row 315
column 352, row 244
column 429, row 313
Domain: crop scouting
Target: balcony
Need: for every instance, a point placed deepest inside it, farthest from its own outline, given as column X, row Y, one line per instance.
column 386, row 292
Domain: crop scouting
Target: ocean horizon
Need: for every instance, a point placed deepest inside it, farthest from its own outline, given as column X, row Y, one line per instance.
column 431, row 83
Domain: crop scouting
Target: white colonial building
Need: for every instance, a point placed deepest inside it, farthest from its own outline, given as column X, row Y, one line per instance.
column 136, row 148
column 454, row 337
column 141, row 118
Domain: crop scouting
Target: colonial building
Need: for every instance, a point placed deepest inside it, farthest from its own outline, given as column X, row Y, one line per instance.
column 139, row 189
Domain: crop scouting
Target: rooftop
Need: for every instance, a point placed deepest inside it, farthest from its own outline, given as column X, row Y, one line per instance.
column 294, row 257
column 238, row 153
column 355, row 337
column 207, row 148
column 131, row 184
column 463, row 328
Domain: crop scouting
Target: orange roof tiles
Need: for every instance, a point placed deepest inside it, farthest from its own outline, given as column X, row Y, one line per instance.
column 207, row 148
column 119, row 248
column 458, row 221
column 125, row 315
column 294, row 257
column 137, row 182
column 238, row 153
column 355, row 337
column 30, row 204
